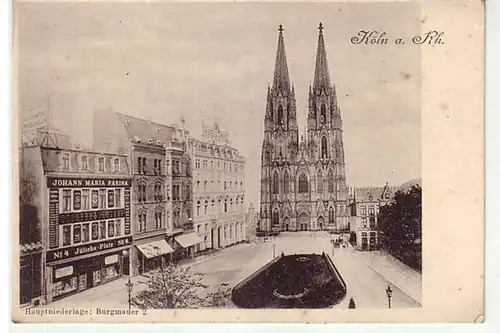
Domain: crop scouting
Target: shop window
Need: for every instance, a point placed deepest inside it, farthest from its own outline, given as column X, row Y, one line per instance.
column 77, row 234
column 66, row 200
column 111, row 198
column 118, row 196
column 102, row 199
column 102, row 230
column 85, row 233
column 95, row 199
column 95, row 231
column 111, row 228
column 66, row 235
column 85, row 200
column 77, row 200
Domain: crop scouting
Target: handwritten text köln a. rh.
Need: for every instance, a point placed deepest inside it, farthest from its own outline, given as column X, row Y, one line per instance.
column 375, row 37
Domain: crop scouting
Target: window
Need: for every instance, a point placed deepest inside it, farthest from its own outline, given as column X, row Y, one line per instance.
column 303, row 184
column 139, row 165
column 231, row 204
column 371, row 210
column 213, row 207
column 102, row 198
column 319, row 182
column 225, row 206
column 142, row 221
column 77, row 234
column 77, row 200
column 198, row 206
column 286, row 183
column 363, row 210
column 176, row 167
column 85, row 199
column 225, row 186
column 95, row 199
column 331, row 182
column 275, row 218
column 111, row 228
column 225, row 232
column 159, row 219
column 205, row 186
column 363, row 222
column 66, row 235
column 331, row 216
column 116, row 164
column 65, row 161
column 66, row 200
column 85, row 233
column 118, row 198
column 111, row 198
column 102, row 230
column 85, row 163
column 323, row 114
column 198, row 229
column 95, row 230
column 324, row 148
column 176, row 192
column 158, row 193
column 118, row 228
column 206, row 207
column 280, row 115
column 101, row 163
column 142, row 192
column 275, row 183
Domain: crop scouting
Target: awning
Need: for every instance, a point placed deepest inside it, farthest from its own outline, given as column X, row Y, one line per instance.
column 187, row 240
column 155, row 249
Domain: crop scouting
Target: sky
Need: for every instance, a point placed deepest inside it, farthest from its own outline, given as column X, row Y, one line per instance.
column 207, row 61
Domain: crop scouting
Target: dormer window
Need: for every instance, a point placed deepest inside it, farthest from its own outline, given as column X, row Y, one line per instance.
column 65, row 161
column 85, row 163
column 116, row 164
column 101, row 164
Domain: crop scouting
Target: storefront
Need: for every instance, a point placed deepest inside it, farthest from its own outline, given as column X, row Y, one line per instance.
column 151, row 254
column 186, row 245
column 73, row 270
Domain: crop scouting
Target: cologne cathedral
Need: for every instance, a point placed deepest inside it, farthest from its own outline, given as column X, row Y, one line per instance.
column 303, row 184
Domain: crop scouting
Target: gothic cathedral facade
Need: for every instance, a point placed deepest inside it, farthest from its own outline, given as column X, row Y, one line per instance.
column 303, row 183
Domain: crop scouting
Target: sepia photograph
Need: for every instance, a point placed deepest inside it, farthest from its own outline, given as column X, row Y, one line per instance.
column 219, row 156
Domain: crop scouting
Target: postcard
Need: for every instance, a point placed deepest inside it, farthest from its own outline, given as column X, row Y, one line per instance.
column 265, row 162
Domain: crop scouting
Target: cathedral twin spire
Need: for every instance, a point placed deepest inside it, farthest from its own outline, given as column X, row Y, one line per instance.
column 281, row 79
column 321, row 74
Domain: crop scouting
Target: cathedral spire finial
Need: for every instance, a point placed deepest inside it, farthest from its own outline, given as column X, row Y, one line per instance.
column 321, row 74
column 281, row 78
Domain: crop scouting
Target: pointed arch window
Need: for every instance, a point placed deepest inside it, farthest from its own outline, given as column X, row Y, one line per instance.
column 198, row 207
column 331, row 218
column 331, row 182
column 206, row 206
column 280, row 115
column 324, row 148
column 319, row 182
column 275, row 217
column 303, row 184
column 275, row 183
column 286, row 183
column 323, row 114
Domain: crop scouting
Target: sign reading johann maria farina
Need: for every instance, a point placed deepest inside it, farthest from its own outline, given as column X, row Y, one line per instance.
column 87, row 182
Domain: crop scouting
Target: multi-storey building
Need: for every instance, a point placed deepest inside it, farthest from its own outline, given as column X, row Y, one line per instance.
column 161, row 185
column 365, row 204
column 303, row 184
column 218, row 190
column 75, row 222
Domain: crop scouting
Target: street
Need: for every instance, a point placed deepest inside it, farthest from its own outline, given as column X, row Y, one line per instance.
column 365, row 285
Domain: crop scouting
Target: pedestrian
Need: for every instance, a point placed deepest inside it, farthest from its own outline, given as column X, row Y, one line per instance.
column 352, row 305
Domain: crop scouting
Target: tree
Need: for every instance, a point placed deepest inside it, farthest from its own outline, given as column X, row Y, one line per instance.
column 400, row 224
column 170, row 286
column 173, row 286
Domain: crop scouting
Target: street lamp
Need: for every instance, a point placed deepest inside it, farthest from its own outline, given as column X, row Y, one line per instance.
column 124, row 255
column 129, row 286
column 129, row 283
column 388, row 292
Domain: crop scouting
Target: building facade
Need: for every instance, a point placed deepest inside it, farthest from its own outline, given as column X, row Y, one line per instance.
column 303, row 184
column 161, row 185
column 218, row 190
column 79, row 208
column 365, row 204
